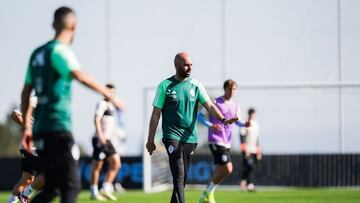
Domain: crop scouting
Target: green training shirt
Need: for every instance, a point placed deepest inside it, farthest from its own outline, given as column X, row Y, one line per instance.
column 49, row 72
column 179, row 104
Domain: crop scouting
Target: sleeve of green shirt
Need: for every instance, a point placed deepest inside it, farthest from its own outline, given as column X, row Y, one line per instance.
column 28, row 78
column 64, row 60
column 159, row 99
column 203, row 96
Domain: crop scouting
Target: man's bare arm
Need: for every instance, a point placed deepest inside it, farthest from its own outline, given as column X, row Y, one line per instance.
column 99, row 131
column 215, row 112
column 90, row 83
column 26, row 140
column 25, row 106
column 154, row 121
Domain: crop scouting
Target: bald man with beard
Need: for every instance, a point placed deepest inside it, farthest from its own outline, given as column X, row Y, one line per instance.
column 177, row 99
column 51, row 69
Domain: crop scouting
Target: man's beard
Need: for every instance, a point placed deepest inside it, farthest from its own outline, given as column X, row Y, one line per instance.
column 184, row 74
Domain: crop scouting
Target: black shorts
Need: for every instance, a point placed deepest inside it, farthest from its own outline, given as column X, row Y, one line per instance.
column 102, row 152
column 30, row 163
column 59, row 155
column 220, row 153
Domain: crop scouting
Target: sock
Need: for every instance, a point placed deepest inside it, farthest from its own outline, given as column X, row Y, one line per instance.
column 28, row 191
column 211, row 187
column 94, row 190
column 108, row 187
column 12, row 199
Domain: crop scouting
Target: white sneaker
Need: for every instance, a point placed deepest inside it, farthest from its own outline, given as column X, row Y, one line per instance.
column 251, row 187
column 119, row 188
column 98, row 197
column 243, row 185
column 108, row 195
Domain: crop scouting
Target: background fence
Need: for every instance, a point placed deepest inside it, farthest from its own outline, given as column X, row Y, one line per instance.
column 273, row 170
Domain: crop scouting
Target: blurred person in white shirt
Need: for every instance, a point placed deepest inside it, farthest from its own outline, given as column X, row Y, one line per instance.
column 250, row 150
column 104, row 149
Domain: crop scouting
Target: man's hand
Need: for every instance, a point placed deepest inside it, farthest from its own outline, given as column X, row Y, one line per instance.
column 102, row 140
column 216, row 128
column 118, row 103
column 108, row 94
column 155, row 116
column 230, row 121
column 26, row 140
column 99, row 131
column 151, row 147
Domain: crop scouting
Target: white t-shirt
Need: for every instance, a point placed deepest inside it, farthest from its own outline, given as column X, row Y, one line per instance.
column 252, row 137
column 106, row 111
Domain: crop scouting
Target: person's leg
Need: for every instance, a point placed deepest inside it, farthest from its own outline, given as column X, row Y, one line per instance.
column 69, row 182
column 27, row 176
column 244, row 172
column 36, row 165
column 25, row 179
column 70, row 192
column 37, row 184
column 114, row 165
column 113, row 168
column 61, row 171
column 221, row 171
column 45, row 196
column 188, row 151
column 49, row 192
column 250, row 178
column 223, row 167
column 176, row 162
column 118, row 186
column 94, row 178
column 98, row 157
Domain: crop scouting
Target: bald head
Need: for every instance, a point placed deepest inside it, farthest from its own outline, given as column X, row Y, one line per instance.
column 181, row 57
column 64, row 19
column 183, row 65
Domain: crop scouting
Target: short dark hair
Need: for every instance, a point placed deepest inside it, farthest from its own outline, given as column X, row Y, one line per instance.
column 60, row 17
column 110, row 86
column 228, row 83
column 251, row 111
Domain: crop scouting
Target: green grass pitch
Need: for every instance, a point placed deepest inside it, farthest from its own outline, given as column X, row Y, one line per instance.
column 232, row 196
